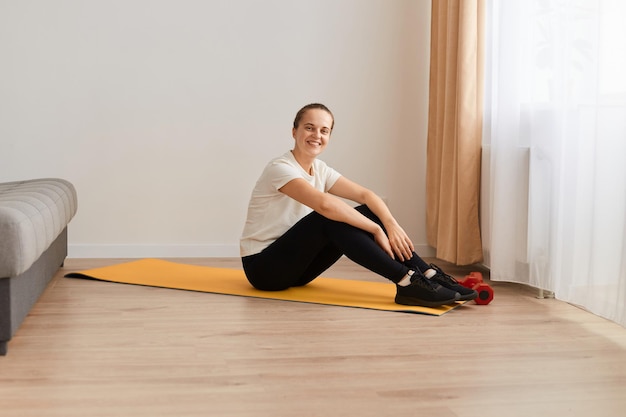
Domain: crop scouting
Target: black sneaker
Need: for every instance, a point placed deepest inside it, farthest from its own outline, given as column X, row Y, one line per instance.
column 424, row 292
column 449, row 282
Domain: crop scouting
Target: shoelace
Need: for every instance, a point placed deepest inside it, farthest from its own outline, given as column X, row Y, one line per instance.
column 443, row 276
column 423, row 282
column 447, row 278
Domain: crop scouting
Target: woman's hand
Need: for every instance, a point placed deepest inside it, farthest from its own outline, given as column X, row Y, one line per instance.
column 381, row 239
column 400, row 243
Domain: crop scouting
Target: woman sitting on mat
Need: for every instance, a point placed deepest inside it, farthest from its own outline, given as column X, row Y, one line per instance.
column 297, row 225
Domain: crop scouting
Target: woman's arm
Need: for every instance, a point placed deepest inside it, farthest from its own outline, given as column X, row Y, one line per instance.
column 398, row 239
column 331, row 207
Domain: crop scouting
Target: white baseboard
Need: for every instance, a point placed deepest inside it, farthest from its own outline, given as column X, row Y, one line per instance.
column 152, row 251
column 174, row 251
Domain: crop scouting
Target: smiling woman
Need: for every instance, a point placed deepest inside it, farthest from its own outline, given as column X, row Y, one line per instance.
column 298, row 225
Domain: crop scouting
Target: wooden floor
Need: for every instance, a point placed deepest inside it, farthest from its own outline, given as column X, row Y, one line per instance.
column 92, row 348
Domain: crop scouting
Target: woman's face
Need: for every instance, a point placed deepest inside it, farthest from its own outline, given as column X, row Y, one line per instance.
column 313, row 132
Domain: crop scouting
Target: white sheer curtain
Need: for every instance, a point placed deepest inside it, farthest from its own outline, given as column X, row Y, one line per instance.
column 554, row 162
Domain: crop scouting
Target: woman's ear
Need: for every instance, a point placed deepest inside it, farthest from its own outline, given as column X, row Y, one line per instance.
column 293, row 132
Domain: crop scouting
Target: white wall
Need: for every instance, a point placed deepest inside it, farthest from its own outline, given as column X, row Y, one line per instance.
column 163, row 112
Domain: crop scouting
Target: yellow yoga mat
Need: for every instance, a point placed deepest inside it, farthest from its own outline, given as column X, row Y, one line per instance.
column 329, row 291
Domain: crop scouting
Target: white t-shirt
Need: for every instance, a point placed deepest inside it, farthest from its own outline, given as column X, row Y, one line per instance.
column 270, row 212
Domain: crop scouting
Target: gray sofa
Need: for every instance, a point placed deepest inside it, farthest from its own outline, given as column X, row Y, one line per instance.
column 34, row 215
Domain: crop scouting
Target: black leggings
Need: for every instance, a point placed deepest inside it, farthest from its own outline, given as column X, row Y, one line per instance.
column 315, row 243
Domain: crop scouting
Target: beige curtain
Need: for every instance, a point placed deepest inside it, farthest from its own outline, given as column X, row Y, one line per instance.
column 455, row 130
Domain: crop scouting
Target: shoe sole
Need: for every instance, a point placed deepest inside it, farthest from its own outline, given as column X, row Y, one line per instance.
column 411, row 301
column 469, row 297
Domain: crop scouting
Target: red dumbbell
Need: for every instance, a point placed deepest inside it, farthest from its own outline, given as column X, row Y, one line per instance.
column 474, row 280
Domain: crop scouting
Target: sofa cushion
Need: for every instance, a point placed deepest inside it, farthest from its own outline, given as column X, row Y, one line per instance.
column 32, row 215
